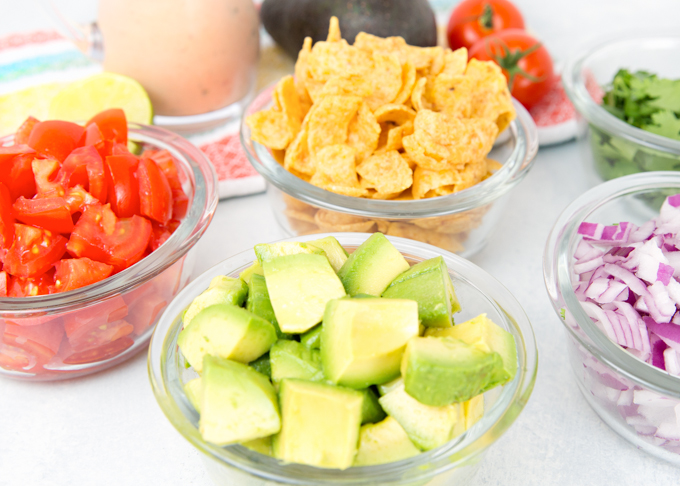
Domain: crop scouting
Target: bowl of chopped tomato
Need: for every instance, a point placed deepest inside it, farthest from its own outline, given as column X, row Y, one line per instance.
column 97, row 221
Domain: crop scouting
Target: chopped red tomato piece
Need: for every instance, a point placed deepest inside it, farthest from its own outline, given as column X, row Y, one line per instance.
column 78, row 198
column 55, row 138
column 8, row 153
column 166, row 162
column 101, row 353
column 19, row 176
column 30, row 287
column 6, row 218
column 112, row 123
column 123, row 189
column 145, row 311
column 92, row 136
column 85, row 167
column 4, row 281
column 50, row 213
column 97, row 325
column 120, row 149
column 101, row 236
column 24, row 132
column 78, row 272
column 160, row 233
column 34, row 251
column 155, row 196
column 45, row 171
column 30, row 347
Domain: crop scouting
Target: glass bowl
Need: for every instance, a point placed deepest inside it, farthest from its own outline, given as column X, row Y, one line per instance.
column 461, row 222
column 609, row 146
column 69, row 334
column 639, row 401
column 458, row 460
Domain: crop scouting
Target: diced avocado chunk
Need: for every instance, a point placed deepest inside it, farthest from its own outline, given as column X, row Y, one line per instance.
column 299, row 287
column 222, row 290
column 226, row 331
column 254, row 269
column 269, row 251
column 482, row 333
column 291, row 359
column 385, row 388
column 262, row 445
column 336, row 254
column 363, row 340
column 312, row 338
column 439, row 371
column 193, row 391
column 259, row 304
column 238, row 404
column 429, row 284
column 383, row 442
column 320, row 424
column 262, row 365
column 372, row 266
column 371, row 411
column 474, row 410
column 427, row 427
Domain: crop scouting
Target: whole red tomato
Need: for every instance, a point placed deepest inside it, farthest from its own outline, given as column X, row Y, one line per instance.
column 526, row 64
column 472, row 20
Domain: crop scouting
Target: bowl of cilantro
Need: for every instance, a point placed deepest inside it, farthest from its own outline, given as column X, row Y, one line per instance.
column 627, row 95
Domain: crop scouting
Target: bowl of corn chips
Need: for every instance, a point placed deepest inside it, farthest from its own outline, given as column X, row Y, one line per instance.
column 420, row 143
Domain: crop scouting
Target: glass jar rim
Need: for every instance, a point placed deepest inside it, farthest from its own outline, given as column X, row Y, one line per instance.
column 203, row 179
column 522, row 131
column 557, row 264
column 493, row 424
column 575, row 87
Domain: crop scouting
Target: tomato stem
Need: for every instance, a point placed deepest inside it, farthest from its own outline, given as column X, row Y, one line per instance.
column 486, row 19
column 509, row 60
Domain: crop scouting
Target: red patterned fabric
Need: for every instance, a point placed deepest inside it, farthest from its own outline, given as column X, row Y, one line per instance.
column 228, row 158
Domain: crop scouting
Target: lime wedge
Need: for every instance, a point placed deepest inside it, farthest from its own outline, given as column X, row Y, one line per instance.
column 81, row 100
column 15, row 107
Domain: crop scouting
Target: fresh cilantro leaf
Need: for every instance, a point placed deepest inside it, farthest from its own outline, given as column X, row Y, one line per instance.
column 664, row 123
column 665, row 94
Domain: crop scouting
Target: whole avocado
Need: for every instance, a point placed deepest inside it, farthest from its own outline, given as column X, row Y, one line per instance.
column 290, row 21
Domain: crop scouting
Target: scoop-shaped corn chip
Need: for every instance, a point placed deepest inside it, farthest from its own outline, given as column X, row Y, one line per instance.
column 270, row 128
column 329, row 121
column 433, row 183
column 387, row 173
column 392, row 112
column 363, row 133
column 335, row 221
column 406, row 230
column 408, row 81
column 297, row 158
column 335, row 165
column 491, row 98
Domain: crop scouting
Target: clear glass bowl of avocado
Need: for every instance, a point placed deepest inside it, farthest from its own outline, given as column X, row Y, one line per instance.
column 424, row 291
column 627, row 95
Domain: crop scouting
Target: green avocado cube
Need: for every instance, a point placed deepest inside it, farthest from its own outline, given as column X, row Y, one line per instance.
column 291, row 359
column 222, row 290
column 254, row 269
column 262, row 365
column 439, row 371
column 363, row 340
column 269, row 251
column 226, row 331
column 371, row 411
column 336, row 254
column 372, row 266
column 259, row 304
column 428, row 427
column 383, row 442
column 312, row 338
column 263, row 445
column 237, row 403
column 299, row 287
column 193, row 391
column 482, row 333
column 429, row 284
column 320, row 424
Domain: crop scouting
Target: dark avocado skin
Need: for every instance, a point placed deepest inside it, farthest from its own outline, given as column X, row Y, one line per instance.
column 290, row 21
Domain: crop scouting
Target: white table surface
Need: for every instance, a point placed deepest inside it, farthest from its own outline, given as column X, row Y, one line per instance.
column 107, row 429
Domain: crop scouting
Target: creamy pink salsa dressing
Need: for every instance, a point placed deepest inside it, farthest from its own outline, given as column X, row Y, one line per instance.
column 192, row 56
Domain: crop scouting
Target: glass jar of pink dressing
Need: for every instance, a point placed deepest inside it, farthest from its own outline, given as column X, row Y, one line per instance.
column 193, row 57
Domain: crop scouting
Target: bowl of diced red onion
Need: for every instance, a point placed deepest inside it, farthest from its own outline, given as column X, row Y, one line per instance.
column 612, row 270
